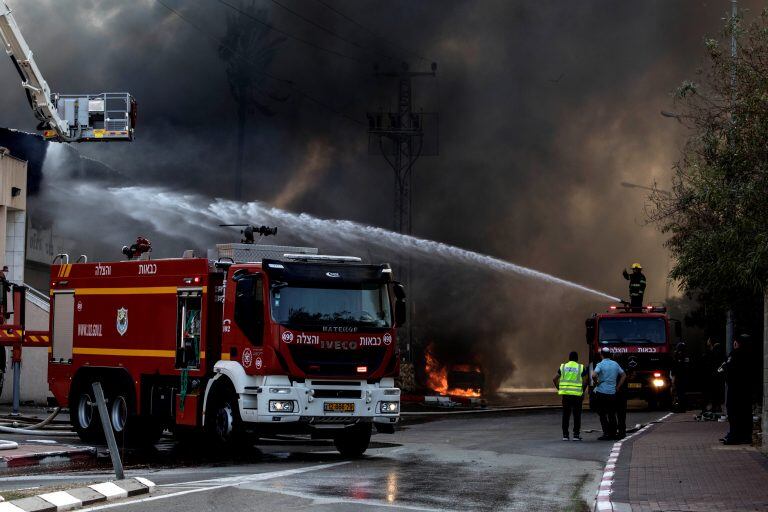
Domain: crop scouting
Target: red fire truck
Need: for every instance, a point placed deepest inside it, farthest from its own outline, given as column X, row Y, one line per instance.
column 641, row 341
column 300, row 343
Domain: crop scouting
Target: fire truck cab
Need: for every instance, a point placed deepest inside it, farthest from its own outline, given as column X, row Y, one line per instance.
column 640, row 340
column 295, row 344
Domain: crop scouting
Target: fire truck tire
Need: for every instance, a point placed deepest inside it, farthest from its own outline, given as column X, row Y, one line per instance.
column 223, row 417
column 129, row 427
column 84, row 415
column 118, row 413
column 353, row 442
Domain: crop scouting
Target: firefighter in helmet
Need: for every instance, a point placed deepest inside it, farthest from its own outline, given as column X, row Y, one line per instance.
column 636, row 285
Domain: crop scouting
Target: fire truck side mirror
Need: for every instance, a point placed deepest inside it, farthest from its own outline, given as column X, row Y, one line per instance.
column 591, row 325
column 400, row 306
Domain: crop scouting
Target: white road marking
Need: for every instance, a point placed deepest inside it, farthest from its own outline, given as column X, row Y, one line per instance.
column 224, row 482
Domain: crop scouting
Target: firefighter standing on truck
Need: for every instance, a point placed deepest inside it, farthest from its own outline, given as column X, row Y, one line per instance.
column 636, row 285
column 571, row 381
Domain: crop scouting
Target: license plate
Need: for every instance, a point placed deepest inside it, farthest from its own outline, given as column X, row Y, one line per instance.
column 634, row 385
column 338, row 407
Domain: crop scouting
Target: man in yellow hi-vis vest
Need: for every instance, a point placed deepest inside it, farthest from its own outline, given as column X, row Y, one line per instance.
column 571, row 381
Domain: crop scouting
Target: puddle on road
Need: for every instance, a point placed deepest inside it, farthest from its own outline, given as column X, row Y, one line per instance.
column 412, row 481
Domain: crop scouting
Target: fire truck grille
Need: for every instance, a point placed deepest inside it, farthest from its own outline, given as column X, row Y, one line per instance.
column 338, row 393
column 335, row 363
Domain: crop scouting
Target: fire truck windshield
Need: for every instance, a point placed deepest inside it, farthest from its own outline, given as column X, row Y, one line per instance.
column 359, row 305
column 632, row 330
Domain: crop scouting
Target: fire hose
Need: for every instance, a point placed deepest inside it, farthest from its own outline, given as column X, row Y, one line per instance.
column 34, row 430
column 8, row 445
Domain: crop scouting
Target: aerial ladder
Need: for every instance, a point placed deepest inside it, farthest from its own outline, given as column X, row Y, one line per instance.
column 109, row 116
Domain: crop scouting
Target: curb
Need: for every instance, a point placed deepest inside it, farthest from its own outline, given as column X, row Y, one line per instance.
column 61, row 456
column 603, row 499
column 80, row 497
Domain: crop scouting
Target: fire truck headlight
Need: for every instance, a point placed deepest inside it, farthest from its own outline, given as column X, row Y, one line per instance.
column 389, row 407
column 281, row 406
column 280, row 390
column 658, row 383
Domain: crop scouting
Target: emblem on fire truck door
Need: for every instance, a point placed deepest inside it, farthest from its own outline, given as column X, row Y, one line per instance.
column 122, row 321
column 247, row 358
column 288, row 336
column 387, row 339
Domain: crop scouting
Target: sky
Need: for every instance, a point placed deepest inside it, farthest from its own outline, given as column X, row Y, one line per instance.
column 545, row 108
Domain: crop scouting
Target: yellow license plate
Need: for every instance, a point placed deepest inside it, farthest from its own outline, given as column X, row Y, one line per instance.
column 634, row 385
column 338, row 407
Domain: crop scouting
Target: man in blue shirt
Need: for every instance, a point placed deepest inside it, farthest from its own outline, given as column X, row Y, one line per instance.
column 607, row 377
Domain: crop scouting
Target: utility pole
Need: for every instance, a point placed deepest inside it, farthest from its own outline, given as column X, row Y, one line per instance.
column 248, row 50
column 404, row 132
column 401, row 137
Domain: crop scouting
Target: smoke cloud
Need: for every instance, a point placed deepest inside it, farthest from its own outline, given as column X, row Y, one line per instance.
column 544, row 110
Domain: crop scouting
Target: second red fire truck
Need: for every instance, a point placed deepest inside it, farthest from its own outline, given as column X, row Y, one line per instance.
column 294, row 343
column 641, row 341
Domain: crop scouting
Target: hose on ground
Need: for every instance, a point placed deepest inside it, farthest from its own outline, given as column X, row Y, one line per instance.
column 8, row 445
column 46, row 421
column 35, row 430
column 27, row 432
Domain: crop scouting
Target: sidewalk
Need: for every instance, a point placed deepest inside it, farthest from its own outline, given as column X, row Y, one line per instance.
column 37, row 454
column 679, row 465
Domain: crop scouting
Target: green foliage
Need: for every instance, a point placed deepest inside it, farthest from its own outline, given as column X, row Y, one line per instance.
column 717, row 214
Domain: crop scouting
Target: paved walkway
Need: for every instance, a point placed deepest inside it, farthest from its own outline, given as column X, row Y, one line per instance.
column 679, row 465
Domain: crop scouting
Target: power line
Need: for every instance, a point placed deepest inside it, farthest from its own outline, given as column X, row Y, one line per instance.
column 288, row 34
column 328, row 30
column 289, row 83
column 219, row 41
column 371, row 31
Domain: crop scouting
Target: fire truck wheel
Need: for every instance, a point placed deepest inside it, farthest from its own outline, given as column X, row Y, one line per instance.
column 134, row 430
column 223, row 417
column 353, row 442
column 84, row 415
column 118, row 414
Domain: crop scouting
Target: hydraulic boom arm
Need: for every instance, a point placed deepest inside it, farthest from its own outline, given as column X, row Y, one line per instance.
column 77, row 118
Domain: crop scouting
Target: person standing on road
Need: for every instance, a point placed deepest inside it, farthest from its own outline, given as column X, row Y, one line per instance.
column 738, row 400
column 571, row 381
column 607, row 377
column 636, row 285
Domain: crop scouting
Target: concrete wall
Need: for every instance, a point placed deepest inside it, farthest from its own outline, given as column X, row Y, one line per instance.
column 15, row 234
column 13, row 205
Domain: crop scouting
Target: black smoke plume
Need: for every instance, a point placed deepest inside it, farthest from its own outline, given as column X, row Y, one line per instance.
column 545, row 108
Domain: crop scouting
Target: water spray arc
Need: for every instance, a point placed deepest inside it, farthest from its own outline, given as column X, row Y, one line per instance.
column 167, row 211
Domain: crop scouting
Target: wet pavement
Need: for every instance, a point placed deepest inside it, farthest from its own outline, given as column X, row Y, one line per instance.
column 484, row 462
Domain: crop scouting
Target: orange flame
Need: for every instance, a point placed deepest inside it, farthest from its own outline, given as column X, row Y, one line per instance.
column 437, row 377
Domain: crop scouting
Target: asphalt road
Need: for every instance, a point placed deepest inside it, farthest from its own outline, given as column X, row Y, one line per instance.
column 483, row 462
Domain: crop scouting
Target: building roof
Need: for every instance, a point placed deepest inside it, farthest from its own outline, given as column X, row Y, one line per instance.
column 6, row 153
